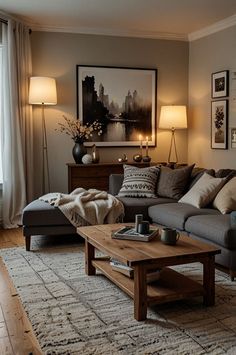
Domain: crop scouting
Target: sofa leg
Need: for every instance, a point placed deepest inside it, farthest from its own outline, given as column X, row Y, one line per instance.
column 27, row 242
column 232, row 274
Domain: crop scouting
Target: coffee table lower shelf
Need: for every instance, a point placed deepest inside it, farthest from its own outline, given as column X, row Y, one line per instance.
column 170, row 287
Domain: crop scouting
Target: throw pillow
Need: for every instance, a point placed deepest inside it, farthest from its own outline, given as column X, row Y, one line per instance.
column 204, row 191
column 197, row 173
column 173, row 182
column 225, row 200
column 139, row 182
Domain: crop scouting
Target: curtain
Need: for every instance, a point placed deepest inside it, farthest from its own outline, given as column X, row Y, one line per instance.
column 16, row 122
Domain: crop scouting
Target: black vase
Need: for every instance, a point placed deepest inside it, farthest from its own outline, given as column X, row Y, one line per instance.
column 78, row 152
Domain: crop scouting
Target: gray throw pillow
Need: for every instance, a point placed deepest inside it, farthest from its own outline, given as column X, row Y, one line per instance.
column 139, row 182
column 173, row 182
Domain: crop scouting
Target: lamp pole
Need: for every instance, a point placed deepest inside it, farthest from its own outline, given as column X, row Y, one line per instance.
column 45, row 167
column 173, row 143
column 42, row 91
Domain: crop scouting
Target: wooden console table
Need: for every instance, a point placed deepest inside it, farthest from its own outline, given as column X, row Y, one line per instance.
column 94, row 176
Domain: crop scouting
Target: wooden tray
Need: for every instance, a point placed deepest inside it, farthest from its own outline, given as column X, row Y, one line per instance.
column 128, row 233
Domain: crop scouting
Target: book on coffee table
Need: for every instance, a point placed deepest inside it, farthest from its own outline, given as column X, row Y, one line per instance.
column 129, row 233
column 120, row 267
column 128, row 271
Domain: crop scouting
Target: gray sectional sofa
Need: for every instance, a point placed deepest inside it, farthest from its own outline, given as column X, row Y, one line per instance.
column 40, row 218
column 206, row 224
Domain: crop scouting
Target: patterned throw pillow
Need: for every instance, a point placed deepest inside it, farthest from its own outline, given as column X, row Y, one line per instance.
column 139, row 182
column 174, row 182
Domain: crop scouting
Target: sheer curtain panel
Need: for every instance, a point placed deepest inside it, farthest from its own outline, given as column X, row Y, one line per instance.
column 16, row 122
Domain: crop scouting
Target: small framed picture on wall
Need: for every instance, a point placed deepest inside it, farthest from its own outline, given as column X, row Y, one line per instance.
column 220, row 84
column 233, row 138
column 219, row 124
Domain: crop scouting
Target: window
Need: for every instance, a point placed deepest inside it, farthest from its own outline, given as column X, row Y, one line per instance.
column 0, row 113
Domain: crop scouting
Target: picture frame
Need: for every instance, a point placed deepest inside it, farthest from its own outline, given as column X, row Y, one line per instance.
column 220, row 84
column 219, row 124
column 122, row 99
column 233, row 138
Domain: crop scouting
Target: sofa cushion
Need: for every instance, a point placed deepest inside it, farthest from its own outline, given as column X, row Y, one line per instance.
column 135, row 206
column 225, row 200
column 215, row 228
column 174, row 215
column 229, row 173
column 139, row 182
column 42, row 213
column 204, row 191
column 172, row 183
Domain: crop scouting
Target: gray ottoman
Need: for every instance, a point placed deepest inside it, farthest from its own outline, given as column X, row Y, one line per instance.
column 40, row 218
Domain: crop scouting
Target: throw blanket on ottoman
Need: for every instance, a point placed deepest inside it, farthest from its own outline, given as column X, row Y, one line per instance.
column 87, row 207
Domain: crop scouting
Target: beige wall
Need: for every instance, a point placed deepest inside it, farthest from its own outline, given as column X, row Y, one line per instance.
column 208, row 55
column 56, row 55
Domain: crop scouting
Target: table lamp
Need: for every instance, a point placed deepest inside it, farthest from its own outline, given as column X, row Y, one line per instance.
column 173, row 117
column 43, row 92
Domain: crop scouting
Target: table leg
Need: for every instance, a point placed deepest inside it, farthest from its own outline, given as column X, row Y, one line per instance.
column 140, row 293
column 209, row 281
column 89, row 256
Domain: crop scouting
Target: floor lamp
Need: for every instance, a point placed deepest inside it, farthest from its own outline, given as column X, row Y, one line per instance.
column 43, row 92
column 173, row 117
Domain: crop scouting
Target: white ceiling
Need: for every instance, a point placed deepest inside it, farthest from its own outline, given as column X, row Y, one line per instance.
column 173, row 19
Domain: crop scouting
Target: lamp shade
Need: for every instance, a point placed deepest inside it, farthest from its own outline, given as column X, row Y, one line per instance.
column 173, row 117
column 42, row 91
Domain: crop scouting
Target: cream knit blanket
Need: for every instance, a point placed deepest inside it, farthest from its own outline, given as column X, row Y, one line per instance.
column 87, row 207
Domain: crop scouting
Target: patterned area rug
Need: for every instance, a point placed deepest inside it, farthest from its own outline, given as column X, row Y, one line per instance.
column 72, row 313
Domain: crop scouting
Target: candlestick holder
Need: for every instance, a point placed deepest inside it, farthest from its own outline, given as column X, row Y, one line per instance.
column 146, row 159
column 141, row 150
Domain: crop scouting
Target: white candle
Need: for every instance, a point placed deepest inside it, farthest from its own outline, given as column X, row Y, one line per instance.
column 141, row 144
column 146, row 146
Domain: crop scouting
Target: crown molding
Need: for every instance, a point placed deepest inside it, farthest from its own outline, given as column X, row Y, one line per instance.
column 206, row 31
column 7, row 16
column 111, row 32
column 216, row 27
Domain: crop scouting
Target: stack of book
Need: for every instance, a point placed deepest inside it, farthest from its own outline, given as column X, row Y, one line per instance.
column 128, row 271
column 124, row 269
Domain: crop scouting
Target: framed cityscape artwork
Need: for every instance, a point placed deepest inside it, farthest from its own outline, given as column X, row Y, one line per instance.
column 219, row 124
column 122, row 99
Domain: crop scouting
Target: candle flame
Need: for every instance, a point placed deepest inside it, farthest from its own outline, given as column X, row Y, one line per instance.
column 140, row 137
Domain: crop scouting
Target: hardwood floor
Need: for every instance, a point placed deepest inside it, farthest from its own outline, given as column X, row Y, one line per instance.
column 16, row 333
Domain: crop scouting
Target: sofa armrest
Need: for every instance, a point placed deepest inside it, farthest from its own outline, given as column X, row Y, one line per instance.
column 115, row 183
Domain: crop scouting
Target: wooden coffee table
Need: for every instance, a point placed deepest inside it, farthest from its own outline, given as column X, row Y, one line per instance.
column 144, row 257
